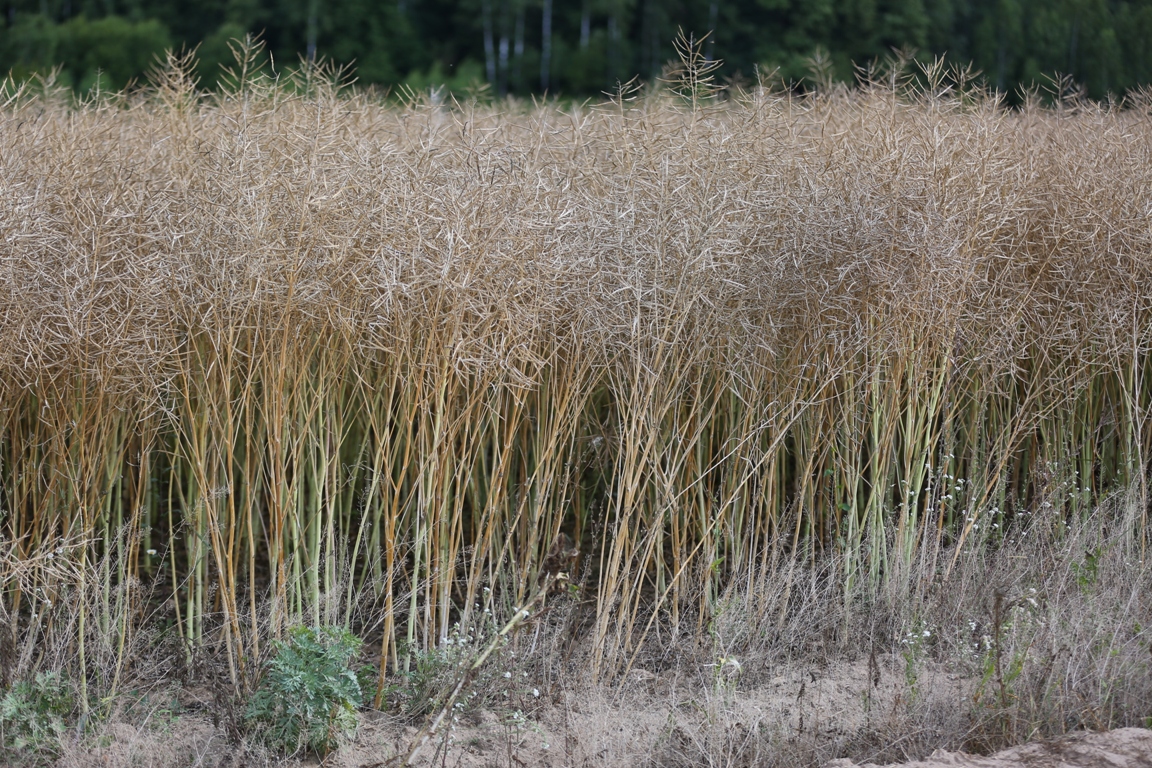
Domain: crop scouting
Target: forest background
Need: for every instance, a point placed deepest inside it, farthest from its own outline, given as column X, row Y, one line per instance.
column 577, row 48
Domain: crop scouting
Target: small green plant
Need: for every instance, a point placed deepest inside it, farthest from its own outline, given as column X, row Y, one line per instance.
column 34, row 714
column 1006, row 652
column 309, row 692
column 431, row 674
column 914, row 648
column 1086, row 571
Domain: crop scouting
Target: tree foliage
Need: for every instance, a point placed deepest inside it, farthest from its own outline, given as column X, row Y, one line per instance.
column 1103, row 45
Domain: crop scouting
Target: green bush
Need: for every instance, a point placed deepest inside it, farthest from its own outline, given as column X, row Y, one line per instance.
column 215, row 53
column 34, row 714
column 110, row 51
column 309, row 693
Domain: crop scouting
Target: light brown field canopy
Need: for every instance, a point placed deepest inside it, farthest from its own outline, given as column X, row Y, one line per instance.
column 126, row 228
column 439, row 336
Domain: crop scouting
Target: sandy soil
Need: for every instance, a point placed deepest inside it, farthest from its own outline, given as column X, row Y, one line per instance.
column 491, row 743
column 657, row 720
column 1122, row 748
column 802, row 715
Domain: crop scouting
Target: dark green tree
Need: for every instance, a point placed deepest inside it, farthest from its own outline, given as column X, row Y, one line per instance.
column 585, row 47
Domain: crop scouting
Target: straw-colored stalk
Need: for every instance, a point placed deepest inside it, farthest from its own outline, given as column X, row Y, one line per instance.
column 289, row 354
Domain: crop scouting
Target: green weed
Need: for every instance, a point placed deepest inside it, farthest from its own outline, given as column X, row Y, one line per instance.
column 34, row 714
column 309, row 693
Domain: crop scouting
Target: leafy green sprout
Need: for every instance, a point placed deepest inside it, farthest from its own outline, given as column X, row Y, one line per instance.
column 34, row 713
column 309, row 693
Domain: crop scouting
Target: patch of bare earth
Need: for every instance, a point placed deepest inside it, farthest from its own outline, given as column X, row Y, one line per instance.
column 804, row 715
column 1121, row 748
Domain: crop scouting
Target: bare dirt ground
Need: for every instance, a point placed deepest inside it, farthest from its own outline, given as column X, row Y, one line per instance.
column 1121, row 748
column 807, row 715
